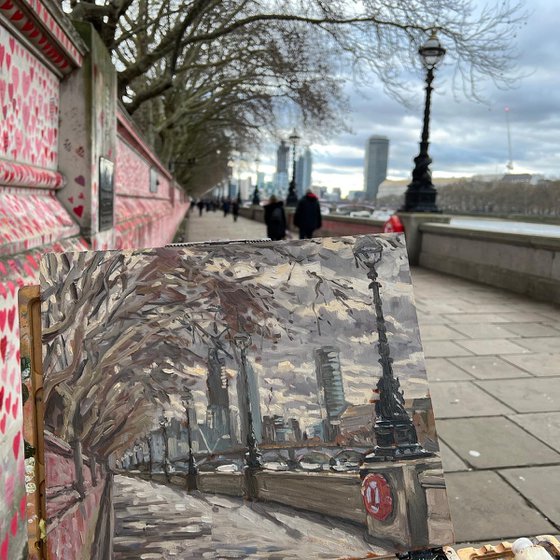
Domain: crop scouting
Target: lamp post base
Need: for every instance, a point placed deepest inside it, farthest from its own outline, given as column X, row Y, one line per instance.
column 396, row 440
column 292, row 199
column 192, row 482
column 420, row 198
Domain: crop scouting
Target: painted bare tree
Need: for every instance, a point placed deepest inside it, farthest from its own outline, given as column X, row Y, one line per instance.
column 123, row 331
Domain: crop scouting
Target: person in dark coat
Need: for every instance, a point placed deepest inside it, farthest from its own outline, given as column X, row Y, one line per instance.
column 308, row 215
column 235, row 209
column 275, row 219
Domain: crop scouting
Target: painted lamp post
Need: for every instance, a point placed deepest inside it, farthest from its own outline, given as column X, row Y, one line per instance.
column 393, row 497
column 253, row 458
column 192, row 469
column 395, row 434
column 163, row 423
column 421, row 194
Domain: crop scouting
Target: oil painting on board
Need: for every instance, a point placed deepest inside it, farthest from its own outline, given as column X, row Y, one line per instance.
column 238, row 400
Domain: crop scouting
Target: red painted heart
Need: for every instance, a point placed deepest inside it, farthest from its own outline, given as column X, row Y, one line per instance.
column 14, row 524
column 11, row 317
column 78, row 210
column 15, row 444
column 4, row 548
column 3, row 346
column 3, row 423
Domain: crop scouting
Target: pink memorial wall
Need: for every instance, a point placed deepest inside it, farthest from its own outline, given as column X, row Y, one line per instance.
column 49, row 201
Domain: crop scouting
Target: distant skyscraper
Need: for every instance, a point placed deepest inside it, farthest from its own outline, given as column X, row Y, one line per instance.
column 282, row 157
column 329, row 381
column 303, row 172
column 281, row 179
column 375, row 171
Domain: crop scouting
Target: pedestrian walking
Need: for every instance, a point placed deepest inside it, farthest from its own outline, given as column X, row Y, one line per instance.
column 200, row 206
column 307, row 217
column 235, row 209
column 225, row 207
column 275, row 219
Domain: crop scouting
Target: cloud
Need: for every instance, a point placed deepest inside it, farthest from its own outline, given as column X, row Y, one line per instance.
column 466, row 137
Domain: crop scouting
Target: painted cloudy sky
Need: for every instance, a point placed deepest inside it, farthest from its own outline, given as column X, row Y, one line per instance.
column 303, row 279
column 292, row 297
column 466, row 137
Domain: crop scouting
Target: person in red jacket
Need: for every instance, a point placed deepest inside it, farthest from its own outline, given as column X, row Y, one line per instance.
column 308, row 215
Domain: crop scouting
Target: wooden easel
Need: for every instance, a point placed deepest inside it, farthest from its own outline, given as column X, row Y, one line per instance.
column 33, row 416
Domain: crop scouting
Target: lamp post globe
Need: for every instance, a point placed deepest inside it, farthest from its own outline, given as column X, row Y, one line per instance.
column 292, row 197
column 421, row 194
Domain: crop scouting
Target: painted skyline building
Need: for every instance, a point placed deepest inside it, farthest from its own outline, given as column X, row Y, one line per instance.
column 253, row 401
column 331, row 388
column 218, row 422
column 375, row 170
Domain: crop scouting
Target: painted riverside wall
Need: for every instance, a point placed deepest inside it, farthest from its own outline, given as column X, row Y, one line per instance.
column 74, row 175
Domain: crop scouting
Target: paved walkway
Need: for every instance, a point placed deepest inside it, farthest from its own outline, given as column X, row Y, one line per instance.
column 493, row 361
column 155, row 521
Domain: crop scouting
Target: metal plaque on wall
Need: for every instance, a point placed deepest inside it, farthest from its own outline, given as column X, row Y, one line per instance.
column 106, row 193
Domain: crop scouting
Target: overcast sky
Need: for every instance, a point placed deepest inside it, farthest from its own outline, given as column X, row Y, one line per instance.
column 466, row 137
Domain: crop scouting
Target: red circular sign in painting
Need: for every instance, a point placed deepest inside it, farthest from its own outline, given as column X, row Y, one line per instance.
column 376, row 494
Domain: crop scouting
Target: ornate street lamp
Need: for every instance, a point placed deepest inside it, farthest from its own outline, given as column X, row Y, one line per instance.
column 292, row 197
column 256, row 197
column 163, row 423
column 192, row 469
column 421, row 194
column 395, row 434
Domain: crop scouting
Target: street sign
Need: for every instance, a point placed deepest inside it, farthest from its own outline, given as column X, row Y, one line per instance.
column 376, row 494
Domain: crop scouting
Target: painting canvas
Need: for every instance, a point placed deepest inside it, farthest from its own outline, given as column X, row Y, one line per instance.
column 238, row 400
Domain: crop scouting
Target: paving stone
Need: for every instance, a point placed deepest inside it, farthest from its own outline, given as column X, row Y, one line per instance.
column 442, row 349
column 443, row 307
column 460, row 399
column 492, row 346
column 541, row 365
column 496, row 442
column 451, row 461
column 484, row 330
column 489, row 308
column 488, row 367
column 439, row 332
column 439, row 369
column 531, row 329
column 526, row 395
column 543, row 425
column 430, row 319
column 485, row 508
column 541, row 344
column 540, row 486
column 523, row 317
column 464, row 318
